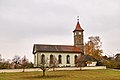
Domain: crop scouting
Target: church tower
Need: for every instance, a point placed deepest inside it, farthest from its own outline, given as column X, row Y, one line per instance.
column 78, row 36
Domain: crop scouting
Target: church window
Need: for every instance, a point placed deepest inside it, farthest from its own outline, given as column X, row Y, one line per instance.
column 68, row 59
column 51, row 59
column 42, row 59
column 75, row 58
column 60, row 59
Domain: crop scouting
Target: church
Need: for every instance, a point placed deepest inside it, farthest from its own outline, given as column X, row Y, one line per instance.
column 66, row 55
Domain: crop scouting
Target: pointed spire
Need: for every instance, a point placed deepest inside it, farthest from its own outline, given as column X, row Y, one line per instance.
column 78, row 27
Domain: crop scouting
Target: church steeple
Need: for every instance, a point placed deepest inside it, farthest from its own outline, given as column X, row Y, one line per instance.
column 78, row 27
column 78, row 36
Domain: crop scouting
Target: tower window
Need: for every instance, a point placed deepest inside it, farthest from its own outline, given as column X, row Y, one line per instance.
column 79, row 33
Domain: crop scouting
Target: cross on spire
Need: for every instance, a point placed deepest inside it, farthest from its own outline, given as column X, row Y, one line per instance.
column 77, row 18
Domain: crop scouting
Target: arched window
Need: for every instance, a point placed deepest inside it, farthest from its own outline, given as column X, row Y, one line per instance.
column 60, row 59
column 51, row 59
column 75, row 59
column 42, row 59
column 68, row 59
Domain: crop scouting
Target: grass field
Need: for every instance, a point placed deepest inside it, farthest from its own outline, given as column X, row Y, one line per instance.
column 64, row 75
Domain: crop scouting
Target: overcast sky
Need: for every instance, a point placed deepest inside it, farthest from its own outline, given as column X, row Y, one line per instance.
column 27, row 22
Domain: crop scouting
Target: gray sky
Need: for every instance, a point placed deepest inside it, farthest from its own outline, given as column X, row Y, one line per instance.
column 27, row 22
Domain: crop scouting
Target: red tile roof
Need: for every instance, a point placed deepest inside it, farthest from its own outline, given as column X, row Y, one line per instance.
column 78, row 27
column 55, row 48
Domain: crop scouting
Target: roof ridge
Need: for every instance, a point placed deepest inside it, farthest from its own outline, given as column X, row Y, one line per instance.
column 53, row 45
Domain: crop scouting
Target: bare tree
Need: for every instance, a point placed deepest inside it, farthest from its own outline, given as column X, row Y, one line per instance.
column 80, row 61
column 45, row 65
column 16, row 61
column 24, row 62
column 96, row 41
column 55, row 63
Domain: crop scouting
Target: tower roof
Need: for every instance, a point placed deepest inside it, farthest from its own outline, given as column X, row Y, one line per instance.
column 78, row 27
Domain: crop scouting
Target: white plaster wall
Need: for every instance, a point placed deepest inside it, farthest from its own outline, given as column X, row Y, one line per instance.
column 35, row 60
column 64, row 60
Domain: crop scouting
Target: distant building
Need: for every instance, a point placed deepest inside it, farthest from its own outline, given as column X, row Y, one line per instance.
column 66, row 55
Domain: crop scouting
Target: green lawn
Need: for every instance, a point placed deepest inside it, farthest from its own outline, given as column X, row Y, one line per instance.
column 64, row 75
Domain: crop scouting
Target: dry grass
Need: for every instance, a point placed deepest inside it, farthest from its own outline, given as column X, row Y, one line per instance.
column 64, row 75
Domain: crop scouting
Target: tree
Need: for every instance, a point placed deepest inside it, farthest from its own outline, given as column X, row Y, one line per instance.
column 46, row 65
column 55, row 63
column 111, row 62
column 5, row 65
column 24, row 63
column 117, row 60
column 96, row 41
column 30, row 65
column 117, row 57
column 16, row 61
column 80, row 61
column 93, row 47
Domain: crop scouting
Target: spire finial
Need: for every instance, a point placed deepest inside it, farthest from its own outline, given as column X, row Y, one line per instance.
column 77, row 18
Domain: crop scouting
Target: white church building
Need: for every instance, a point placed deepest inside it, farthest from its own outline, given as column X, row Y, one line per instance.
column 66, row 55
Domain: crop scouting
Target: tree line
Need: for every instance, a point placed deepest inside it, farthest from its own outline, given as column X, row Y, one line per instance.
column 93, row 48
column 16, row 63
